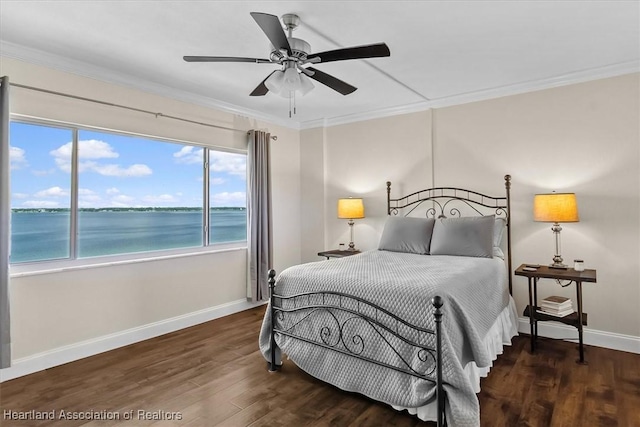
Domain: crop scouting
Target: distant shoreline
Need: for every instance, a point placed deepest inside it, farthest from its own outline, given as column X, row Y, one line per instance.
column 120, row 209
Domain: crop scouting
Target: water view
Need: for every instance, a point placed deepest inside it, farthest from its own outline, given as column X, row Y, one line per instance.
column 42, row 234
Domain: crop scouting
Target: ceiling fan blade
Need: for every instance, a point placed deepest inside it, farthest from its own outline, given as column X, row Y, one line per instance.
column 224, row 59
column 358, row 52
column 270, row 24
column 261, row 89
column 334, row 83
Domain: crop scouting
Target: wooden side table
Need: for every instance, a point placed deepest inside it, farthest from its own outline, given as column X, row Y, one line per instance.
column 337, row 253
column 577, row 319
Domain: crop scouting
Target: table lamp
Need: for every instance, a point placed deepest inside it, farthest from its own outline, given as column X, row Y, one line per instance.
column 556, row 208
column 351, row 208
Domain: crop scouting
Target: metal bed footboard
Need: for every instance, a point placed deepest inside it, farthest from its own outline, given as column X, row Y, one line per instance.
column 348, row 325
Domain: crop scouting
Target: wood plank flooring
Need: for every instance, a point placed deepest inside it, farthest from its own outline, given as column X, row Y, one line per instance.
column 213, row 375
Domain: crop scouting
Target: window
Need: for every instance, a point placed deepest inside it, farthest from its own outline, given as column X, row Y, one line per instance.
column 228, row 197
column 40, row 193
column 133, row 194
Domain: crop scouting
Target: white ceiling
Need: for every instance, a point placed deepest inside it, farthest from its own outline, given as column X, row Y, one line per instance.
column 442, row 52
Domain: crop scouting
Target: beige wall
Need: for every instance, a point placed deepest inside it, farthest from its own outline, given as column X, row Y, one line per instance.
column 312, row 198
column 59, row 309
column 582, row 138
column 359, row 159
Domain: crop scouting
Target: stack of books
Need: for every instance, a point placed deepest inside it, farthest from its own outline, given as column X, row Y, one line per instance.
column 556, row 306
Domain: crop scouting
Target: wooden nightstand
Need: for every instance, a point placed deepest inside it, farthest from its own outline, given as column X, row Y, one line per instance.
column 577, row 319
column 337, row 253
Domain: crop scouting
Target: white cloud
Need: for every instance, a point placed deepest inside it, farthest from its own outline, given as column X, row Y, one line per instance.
column 231, row 163
column 188, row 155
column 89, row 201
column 112, row 190
column 218, row 181
column 19, row 195
column 94, row 149
column 88, row 198
column 43, row 172
column 40, row 204
column 88, row 149
column 121, row 198
column 226, row 199
column 163, row 198
column 121, row 201
column 52, row 192
column 17, row 158
column 117, row 170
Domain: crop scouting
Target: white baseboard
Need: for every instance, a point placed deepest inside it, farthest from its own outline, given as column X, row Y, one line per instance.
column 69, row 353
column 593, row 337
column 66, row 354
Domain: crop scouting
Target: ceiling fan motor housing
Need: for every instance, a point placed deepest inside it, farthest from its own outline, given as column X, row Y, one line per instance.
column 299, row 51
column 299, row 48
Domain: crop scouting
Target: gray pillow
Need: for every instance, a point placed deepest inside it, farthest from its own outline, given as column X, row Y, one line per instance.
column 498, row 231
column 466, row 236
column 405, row 234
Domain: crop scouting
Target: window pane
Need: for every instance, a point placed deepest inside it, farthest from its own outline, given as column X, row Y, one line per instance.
column 137, row 194
column 40, row 192
column 228, row 197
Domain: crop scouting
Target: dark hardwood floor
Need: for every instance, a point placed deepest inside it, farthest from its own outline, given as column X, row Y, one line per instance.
column 213, row 375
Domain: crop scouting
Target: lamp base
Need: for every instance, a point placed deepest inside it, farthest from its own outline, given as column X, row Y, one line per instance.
column 559, row 266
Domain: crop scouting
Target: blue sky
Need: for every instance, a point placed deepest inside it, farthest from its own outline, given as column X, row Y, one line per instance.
column 117, row 171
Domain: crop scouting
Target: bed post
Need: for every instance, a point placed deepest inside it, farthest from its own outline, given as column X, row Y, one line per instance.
column 507, row 185
column 437, row 303
column 388, row 197
column 273, row 367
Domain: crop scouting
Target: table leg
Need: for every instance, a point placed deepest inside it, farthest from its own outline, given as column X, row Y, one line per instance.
column 535, row 305
column 579, row 297
column 531, row 315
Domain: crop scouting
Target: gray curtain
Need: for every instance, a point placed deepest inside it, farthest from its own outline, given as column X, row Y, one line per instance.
column 259, row 218
column 5, row 223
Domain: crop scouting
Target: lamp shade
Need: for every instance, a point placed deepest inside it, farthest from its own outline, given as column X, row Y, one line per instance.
column 350, row 208
column 555, row 207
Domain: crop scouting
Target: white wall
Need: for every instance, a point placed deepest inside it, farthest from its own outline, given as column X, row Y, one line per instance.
column 50, row 311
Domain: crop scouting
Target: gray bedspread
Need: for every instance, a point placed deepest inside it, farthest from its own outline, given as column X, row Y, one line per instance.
column 474, row 292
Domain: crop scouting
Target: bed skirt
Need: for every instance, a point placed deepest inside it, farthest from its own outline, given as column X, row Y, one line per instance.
column 500, row 334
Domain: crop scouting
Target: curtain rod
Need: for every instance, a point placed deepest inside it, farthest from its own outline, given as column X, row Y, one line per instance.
column 139, row 110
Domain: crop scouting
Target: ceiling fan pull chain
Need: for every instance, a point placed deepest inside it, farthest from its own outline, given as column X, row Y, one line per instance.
column 294, row 103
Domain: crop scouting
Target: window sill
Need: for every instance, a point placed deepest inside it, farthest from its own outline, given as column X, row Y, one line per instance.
column 60, row 266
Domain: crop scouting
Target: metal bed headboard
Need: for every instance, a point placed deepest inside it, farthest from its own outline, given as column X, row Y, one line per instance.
column 446, row 200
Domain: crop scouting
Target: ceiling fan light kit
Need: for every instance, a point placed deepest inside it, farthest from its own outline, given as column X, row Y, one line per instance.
column 287, row 81
column 292, row 54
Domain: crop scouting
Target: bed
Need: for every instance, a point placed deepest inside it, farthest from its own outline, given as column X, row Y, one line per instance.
column 414, row 323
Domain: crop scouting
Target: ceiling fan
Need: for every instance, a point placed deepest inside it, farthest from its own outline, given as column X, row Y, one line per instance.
column 293, row 54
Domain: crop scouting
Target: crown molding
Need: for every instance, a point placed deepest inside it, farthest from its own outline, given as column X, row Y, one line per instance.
column 15, row 51
column 369, row 115
column 46, row 59
column 581, row 76
column 576, row 77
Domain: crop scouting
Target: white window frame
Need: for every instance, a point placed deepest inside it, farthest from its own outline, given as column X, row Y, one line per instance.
column 73, row 262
